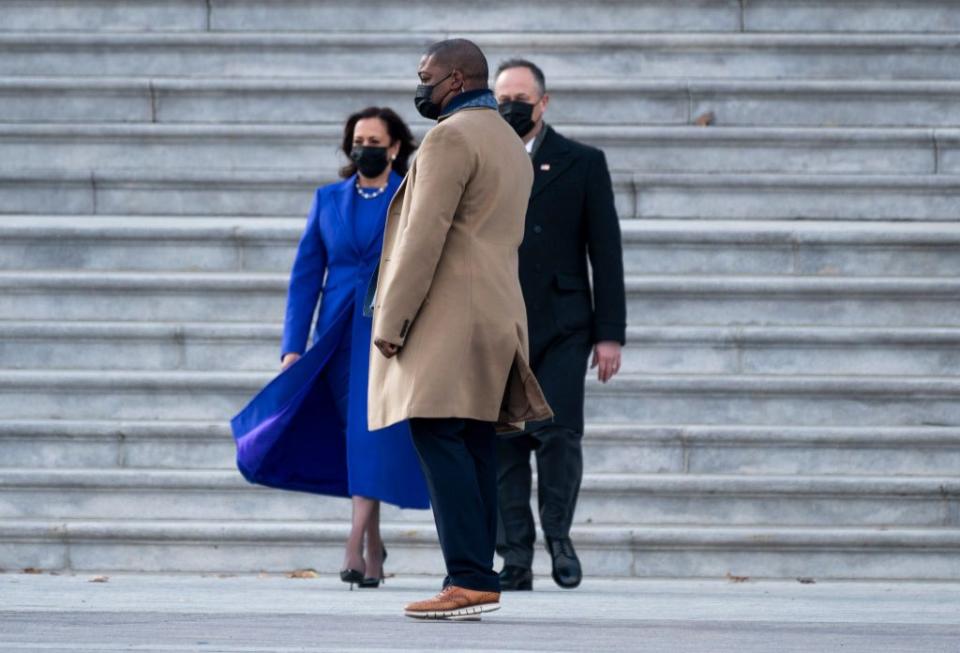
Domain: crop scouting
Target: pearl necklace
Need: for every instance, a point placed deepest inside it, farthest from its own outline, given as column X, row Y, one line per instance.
column 369, row 195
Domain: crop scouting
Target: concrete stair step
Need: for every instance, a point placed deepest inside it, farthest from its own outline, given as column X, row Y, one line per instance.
column 848, row 248
column 142, row 296
column 648, row 15
column 641, row 399
column 687, row 149
column 687, row 551
column 637, row 499
column 141, row 243
column 326, row 15
column 608, row 448
column 391, row 54
column 791, row 196
column 196, row 192
column 225, row 347
column 718, row 247
column 792, row 350
column 638, row 101
column 785, row 301
column 651, row 299
column 184, row 191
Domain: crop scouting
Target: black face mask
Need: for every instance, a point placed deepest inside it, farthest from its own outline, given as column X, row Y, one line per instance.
column 371, row 161
column 423, row 99
column 519, row 115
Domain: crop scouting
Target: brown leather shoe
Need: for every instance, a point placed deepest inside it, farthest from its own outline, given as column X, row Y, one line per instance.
column 455, row 603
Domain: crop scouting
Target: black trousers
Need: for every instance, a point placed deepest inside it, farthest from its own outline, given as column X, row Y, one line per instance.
column 559, row 472
column 459, row 460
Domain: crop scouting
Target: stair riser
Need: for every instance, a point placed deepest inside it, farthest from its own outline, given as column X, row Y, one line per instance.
column 600, row 456
column 169, row 102
column 142, row 354
column 658, row 256
column 768, row 457
column 262, row 354
column 792, row 358
column 593, row 507
column 820, row 203
column 104, row 253
column 703, row 154
column 390, row 59
column 395, row 15
column 873, row 16
column 907, row 563
column 651, row 15
column 177, row 197
column 249, row 305
column 105, row 15
column 167, row 452
column 655, row 257
column 745, row 408
column 259, row 305
column 125, row 401
column 773, row 309
column 840, row 259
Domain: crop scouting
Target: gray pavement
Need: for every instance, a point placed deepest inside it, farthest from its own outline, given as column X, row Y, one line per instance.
column 276, row 614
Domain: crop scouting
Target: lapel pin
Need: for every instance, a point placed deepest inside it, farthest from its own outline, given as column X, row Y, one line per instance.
column 545, row 167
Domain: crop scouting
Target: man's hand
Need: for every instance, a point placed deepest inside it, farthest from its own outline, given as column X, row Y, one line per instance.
column 388, row 349
column 606, row 356
column 288, row 360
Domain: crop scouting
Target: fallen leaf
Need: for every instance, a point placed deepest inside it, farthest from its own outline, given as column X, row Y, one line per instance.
column 737, row 579
column 99, row 579
column 705, row 119
column 806, row 581
column 303, row 573
column 32, row 570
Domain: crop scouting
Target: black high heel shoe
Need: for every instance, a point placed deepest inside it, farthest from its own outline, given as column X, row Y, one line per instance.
column 352, row 576
column 373, row 583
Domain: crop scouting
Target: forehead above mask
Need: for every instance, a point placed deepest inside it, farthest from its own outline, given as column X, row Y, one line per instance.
column 517, row 84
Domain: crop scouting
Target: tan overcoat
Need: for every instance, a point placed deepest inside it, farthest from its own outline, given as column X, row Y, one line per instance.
column 448, row 290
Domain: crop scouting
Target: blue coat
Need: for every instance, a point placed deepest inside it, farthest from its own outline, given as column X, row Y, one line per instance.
column 289, row 436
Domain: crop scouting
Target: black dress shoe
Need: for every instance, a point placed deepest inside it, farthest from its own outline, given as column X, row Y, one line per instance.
column 566, row 565
column 514, row 578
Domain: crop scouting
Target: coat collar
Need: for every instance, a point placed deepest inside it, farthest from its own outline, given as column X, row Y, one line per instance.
column 550, row 160
column 481, row 98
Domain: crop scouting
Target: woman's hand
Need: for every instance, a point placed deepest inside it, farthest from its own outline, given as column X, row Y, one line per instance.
column 288, row 360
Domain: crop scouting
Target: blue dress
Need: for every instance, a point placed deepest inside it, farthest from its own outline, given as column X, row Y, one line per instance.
column 307, row 429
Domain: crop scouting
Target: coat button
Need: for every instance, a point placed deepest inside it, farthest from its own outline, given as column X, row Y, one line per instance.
column 537, row 229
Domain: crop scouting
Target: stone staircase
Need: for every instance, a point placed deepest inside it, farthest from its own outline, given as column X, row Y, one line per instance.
column 790, row 402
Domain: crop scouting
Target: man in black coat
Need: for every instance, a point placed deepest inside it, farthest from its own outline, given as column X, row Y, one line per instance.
column 571, row 219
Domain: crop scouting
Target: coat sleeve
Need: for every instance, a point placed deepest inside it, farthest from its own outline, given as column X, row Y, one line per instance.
column 443, row 167
column 306, row 281
column 606, row 255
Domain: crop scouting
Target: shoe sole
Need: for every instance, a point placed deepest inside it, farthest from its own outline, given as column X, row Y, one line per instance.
column 469, row 613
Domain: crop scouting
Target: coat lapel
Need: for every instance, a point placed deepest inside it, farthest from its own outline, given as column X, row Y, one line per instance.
column 344, row 197
column 550, row 161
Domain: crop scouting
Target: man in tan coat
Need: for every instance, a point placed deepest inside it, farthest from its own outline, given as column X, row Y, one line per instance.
column 449, row 322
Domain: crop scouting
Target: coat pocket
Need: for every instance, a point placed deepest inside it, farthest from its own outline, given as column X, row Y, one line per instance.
column 572, row 304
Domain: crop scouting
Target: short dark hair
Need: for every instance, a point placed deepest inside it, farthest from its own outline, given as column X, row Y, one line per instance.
column 529, row 65
column 464, row 55
column 397, row 129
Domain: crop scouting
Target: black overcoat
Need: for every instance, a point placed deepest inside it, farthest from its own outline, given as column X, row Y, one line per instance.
column 571, row 221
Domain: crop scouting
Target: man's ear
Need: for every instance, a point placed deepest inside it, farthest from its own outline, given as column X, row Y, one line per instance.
column 457, row 76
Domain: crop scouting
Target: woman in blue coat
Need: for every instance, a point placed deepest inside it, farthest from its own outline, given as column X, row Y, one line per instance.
column 307, row 430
